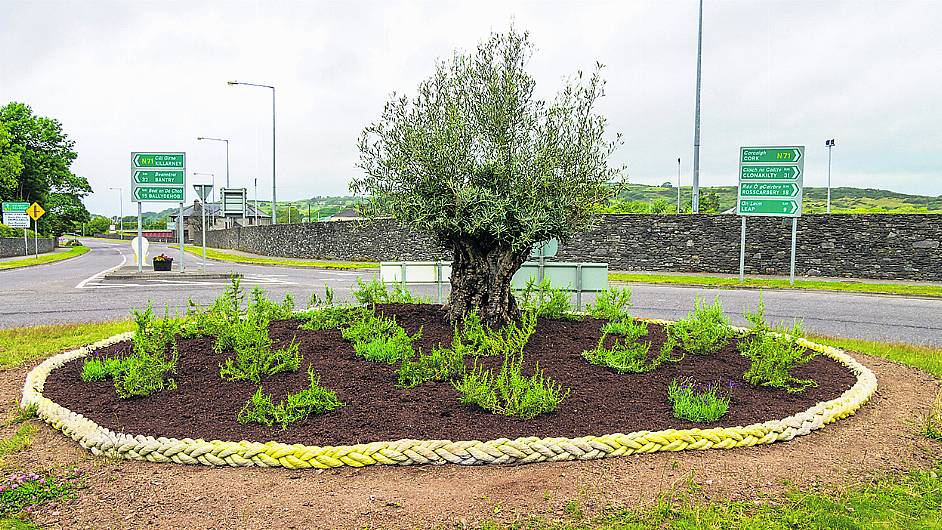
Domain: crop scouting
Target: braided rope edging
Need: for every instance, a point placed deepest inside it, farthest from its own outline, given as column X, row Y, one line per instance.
column 103, row 441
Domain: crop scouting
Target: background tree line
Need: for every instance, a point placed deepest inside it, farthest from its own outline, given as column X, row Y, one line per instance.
column 36, row 156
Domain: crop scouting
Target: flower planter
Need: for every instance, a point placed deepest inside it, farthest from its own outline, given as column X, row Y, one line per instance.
column 162, row 265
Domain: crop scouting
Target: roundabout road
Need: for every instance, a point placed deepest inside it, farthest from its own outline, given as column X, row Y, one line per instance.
column 73, row 291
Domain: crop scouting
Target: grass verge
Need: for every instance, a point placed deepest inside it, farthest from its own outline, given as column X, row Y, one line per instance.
column 821, row 285
column 43, row 258
column 925, row 358
column 20, row 345
column 220, row 255
column 910, row 500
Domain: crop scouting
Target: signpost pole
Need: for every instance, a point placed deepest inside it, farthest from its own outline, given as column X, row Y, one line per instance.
column 25, row 244
column 203, row 231
column 180, row 234
column 791, row 280
column 36, row 237
column 742, row 252
column 140, row 240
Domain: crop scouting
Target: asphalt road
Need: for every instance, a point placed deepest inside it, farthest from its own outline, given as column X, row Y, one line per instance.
column 73, row 291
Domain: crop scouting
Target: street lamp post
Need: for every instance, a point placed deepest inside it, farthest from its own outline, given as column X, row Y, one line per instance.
column 829, row 144
column 695, row 200
column 227, row 152
column 274, row 200
column 121, row 209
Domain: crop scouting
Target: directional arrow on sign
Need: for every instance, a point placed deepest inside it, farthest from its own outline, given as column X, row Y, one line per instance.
column 778, row 155
column 154, row 176
column 161, row 160
column 768, row 206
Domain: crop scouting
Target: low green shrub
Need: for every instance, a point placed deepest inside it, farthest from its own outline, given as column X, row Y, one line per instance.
column 215, row 319
column 316, row 301
column 626, row 354
column 332, row 317
column 101, row 368
column 254, row 358
column 612, row 304
column 697, row 403
column 315, row 399
column 442, row 364
column 264, row 308
column 485, row 341
column 148, row 367
column 774, row 353
column 546, row 301
column 626, row 327
column 143, row 374
column 509, row 392
column 376, row 292
column 380, row 339
column 703, row 331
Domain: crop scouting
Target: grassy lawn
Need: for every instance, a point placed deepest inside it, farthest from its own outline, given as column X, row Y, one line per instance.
column 221, row 255
column 20, row 345
column 910, row 500
column 717, row 281
column 925, row 358
column 43, row 258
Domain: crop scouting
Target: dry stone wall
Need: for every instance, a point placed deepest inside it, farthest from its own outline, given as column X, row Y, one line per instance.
column 880, row 246
column 13, row 246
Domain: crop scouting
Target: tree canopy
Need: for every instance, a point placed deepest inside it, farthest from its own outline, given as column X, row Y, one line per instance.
column 36, row 157
column 477, row 160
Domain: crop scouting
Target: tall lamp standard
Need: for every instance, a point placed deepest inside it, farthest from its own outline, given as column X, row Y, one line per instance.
column 829, row 144
column 227, row 152
column 695, row 200
column 274, row 200
column 121, row 209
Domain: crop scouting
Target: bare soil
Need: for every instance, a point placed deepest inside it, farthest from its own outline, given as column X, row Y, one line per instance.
column 601, row 401
column 881, row 438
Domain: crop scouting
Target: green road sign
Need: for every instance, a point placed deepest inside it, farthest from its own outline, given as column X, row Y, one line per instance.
column 158, row 193
column 161, row 160
column 778, row 155
column 769, row 189
column 769, row 207
column 154, row 176
column 15, row 206
column 769, row 172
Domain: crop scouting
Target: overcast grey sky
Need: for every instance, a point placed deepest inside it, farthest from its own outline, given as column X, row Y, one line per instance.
column 134, row 76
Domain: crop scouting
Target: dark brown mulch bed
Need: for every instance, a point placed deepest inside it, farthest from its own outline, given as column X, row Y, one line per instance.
column 601, row 401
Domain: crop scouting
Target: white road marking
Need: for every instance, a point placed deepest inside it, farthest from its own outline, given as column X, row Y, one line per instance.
column 98, row 275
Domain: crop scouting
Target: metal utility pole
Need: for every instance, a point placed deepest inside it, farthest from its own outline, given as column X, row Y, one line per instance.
column 695, row 200
column 274, row 200
column 678, row 184
column 120, row 208
column 227, row 152
column 829, row 144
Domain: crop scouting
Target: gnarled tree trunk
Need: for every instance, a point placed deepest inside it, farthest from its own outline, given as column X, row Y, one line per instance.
column 480, row 279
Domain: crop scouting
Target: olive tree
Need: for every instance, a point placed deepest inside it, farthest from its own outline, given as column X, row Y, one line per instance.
column 475, row 159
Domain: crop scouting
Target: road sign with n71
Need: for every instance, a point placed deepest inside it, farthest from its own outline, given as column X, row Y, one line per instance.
column 778, row 155
column 771, row 181
column 161, row 160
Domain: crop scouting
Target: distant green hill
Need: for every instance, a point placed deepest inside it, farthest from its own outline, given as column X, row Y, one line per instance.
column 843, row 200
column 642, row 198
